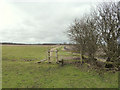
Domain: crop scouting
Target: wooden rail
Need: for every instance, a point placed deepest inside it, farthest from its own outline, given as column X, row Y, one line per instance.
column 49, row 55
column 58, row 60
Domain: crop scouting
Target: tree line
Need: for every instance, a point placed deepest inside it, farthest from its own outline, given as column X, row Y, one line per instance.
column 98, row 30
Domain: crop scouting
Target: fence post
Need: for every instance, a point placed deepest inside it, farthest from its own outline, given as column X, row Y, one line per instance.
column 62, row 62
column 81, row 56
column 56, row 55
column 49, row 56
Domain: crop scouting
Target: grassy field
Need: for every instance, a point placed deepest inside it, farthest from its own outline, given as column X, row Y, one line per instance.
column 19, row 73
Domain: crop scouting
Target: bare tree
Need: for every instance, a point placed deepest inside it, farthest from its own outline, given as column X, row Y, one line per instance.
column 83, row 33
column 107, row 23
column 92, row 36
column 100, row 28
column 77, row 35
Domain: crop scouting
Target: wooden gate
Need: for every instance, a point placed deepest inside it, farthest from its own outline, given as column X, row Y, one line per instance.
column 62, row 55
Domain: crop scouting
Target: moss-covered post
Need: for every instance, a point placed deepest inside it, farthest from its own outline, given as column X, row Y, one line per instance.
column 62, row 62
column 49, row 56
column 80, row 55
column 56, row 56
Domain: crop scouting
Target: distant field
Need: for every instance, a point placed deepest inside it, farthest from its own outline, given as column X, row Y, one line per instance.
column 23, row 52
column 19, row 73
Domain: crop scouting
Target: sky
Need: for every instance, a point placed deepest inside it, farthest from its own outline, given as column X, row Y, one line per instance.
column 39, row 21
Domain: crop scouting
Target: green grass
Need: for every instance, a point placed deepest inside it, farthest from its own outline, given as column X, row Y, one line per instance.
column 20, row 53
column 18, row 73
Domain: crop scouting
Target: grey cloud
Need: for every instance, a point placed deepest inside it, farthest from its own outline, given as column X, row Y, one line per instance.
column 46, row 22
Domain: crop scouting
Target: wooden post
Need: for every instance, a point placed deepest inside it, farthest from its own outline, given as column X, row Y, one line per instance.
column 49, row 56
column 56, row 56
column 81, row 56
column 62, row 62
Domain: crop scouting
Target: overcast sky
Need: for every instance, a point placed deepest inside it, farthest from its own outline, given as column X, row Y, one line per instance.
column 39, row 21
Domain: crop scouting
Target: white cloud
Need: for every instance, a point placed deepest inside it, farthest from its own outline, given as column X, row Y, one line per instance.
column 38, row 22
